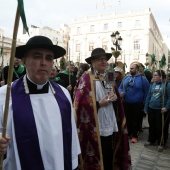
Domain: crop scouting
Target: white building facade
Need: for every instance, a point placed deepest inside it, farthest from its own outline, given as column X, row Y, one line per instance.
column 5, row 46
column 57, row 36
column 137, row 28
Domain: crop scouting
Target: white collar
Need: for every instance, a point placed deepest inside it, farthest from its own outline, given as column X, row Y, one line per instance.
column 39, row 86
column 26, row 85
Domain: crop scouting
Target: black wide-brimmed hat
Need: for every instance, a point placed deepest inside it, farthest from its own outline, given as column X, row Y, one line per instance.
column 39, row 42
column 97, row 52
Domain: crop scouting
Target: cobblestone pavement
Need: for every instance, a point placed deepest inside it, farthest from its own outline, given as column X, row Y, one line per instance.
column 148, row 158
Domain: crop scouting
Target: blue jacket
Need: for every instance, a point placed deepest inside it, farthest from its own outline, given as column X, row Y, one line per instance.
column 154, row 98
column 135, row 88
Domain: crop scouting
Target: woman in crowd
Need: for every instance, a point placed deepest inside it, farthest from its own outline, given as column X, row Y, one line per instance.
column 83, row 67
column 157, row 107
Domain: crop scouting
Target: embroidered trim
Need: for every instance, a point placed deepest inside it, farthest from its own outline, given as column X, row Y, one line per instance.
column 52, row 89
column 27, row 89
column 25, row 85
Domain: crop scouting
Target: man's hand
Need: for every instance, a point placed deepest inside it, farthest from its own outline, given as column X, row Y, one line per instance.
column 122, row 94
column 69, row 88
column 107, row 99
column 104, row 101
column 112, row 97
column 163, row 110
column 4, row 144
column 2, row 83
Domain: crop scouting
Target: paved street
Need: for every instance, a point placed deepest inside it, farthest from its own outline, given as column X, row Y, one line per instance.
column 148, row 158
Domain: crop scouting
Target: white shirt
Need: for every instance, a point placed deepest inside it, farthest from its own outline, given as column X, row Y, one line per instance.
column 106, row 115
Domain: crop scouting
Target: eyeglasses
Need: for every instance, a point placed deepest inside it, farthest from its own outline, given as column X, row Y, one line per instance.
column 102, row 60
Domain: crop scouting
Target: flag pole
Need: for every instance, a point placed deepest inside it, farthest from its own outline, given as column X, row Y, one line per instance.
column 69, row 72
column 2, row 63
column 10, row 75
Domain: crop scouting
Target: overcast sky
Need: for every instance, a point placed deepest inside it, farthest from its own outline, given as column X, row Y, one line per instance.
column 52, row 13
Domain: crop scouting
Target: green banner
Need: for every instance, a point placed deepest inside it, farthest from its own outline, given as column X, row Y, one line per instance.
column 153, row 59
column 22, row 14
column 162, row 63
column 1, row 51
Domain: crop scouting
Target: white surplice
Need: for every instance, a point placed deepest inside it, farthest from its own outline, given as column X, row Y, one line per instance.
column 49, row 128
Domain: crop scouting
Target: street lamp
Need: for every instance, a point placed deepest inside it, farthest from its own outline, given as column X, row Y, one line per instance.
column 117, row 41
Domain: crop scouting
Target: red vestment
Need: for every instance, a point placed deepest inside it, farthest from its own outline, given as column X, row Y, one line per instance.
column 88, row 128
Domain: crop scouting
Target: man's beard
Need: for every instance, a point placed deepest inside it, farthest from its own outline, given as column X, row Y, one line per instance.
column 133, row 73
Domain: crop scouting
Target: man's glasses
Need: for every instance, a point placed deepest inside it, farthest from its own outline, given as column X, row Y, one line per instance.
column 102, row 60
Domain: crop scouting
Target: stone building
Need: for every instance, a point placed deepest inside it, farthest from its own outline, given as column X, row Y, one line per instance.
column 138, row 29
column 5, row 47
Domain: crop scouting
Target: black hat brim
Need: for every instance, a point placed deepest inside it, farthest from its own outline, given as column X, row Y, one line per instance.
column 57, row 50
column 88, row 60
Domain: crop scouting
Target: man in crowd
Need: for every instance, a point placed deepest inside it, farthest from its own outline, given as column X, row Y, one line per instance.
column 82, row 69
column 41, row 131
column 100, row 118
column 54, row 77
column 133, row 90
column 18, row 71
column 68, row 77
column 119, row 76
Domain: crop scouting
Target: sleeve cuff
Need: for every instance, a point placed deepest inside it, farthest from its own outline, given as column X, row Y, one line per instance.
column 97, row 105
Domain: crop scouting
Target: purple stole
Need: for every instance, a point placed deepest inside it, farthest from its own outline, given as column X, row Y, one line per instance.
column 26, row 132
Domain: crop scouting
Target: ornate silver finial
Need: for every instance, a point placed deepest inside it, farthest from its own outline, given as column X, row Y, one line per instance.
column 109, row 79
column 110, row 75
column 52, row 89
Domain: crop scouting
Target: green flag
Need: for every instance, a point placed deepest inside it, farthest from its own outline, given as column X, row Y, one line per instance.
column 163, row 61
column 22, row 14
column 62, row 63
column 153, row 59
column 1, row 52
column 125, row 65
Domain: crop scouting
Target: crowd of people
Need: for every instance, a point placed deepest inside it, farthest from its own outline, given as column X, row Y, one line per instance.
column 79, row 117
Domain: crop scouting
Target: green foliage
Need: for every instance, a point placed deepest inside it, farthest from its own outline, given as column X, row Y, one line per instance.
column 22, row 14
column 116, row 53
column 162, row 63
column 62, row 63
column 1, row 51
column 124, row 67
column 153, row 59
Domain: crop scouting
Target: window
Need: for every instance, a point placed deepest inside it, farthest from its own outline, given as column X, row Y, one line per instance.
column 119, row 24
column 91, row 46
column 78, row 30
column 137, row 23
column 77, row 47
column 92, row 28
column 136, row 45
column 105, row 26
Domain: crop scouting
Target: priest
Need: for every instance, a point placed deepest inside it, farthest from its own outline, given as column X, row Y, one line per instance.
column 41, row 131
column 100, row 118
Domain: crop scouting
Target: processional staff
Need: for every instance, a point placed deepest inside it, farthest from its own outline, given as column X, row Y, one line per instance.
column 162, row 63
column 19, row 12
column 2, row 63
